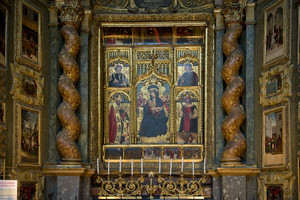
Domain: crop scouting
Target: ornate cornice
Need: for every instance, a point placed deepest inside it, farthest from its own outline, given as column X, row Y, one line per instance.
column 70, row 11
column 233, row 11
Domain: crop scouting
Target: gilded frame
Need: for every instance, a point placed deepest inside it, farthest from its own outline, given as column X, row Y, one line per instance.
column 284, row 179
column 181, row 146
column 122, row 55
column 5, row 11
column 282, row 94
column 34, row 177
column 198, row 93
column 18, row 73
column 18, row 152
column 18, row 48
column 109, row 95
column 189, row 52
column 153, row 73
column 283, row 127
column 285, row 55
column 97, row 94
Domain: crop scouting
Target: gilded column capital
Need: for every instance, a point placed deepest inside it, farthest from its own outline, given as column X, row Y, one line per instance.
column 70, row 11
column 233, row 11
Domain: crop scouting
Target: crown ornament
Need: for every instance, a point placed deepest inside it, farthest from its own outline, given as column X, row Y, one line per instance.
column 233, row 11
column 69, row 11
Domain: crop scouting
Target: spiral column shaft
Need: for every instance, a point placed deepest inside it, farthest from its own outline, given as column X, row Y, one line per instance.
column 235, row 115
column 66, row 138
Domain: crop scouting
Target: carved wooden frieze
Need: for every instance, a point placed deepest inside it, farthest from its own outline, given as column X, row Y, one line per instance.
column 151, row 6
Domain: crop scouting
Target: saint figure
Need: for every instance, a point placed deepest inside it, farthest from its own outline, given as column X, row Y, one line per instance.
column 189, row 77
column 154, row 122
column 118, row 79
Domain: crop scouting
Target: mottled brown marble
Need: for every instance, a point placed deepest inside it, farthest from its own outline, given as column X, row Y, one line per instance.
column 236, row 142
column 66, row 138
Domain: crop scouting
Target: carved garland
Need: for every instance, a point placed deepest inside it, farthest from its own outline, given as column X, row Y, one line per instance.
column 70, row 15
column 236, row 142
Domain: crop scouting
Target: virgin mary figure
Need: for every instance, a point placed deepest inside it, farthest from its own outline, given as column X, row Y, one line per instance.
column 154, row 122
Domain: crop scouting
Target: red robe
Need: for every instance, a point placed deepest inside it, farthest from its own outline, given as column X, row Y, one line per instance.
column 112, row 125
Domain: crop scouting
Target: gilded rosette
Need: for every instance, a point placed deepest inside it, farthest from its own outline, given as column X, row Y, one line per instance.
column 236, row 142
column 66, row 138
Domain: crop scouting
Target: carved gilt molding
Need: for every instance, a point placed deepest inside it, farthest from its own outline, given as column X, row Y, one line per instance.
column 166, row 6
column 98, row 75
column 27, row 85
column 279, row 79
column 34, row 177
column 286, row 180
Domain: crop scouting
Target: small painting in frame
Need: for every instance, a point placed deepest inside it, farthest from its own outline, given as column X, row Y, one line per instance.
column 27, row 135
column 276, row 33
column 30, row 136
column 172, row 153
column 29, row 86
column 274, row 192
column 275, row 137
column 28, row 35
column 188, row 74
column 192, row 152
column 113, row 153
column 151, row 153
column 187, row 121
column 133, row 153
column 28, row 190
column 119, row 118
column 276, row 85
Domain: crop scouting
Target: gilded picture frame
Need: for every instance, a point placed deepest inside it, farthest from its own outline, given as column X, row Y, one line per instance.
column 276, row 34
column 27, row 85
column 119, row 104
column 3, row 35
column 162, row 152
column 188, row 103
column 276, row 85
column 188, row 61
column 118, row 67
column 283, row 180
column 28, row 34
column 30, row 178
column 27, row 136
column 275, row 138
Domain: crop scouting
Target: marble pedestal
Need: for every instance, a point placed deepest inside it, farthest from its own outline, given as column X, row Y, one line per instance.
column 234, row 183
column 71, row 183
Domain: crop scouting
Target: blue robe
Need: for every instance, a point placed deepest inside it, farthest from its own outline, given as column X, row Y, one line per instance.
column 153, row 124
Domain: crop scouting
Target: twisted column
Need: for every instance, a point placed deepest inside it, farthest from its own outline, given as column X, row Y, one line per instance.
column 70, row 16
column 235, row 115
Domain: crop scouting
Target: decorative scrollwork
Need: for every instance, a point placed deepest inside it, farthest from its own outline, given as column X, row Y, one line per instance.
column 172, row 186
column 236, row 142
